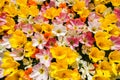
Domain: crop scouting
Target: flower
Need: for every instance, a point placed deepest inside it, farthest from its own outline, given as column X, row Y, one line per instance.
column 115, row 2
column 38, row 40
column 33, row 11
column 16, row 75
column 18, row 39
column 87, row 39
column 45, row 58
column 100, row 8
column 114, row 56
column 96, row 55
column 58, row 52
column 8, row 64
column 39, row 72
column 29, row 49
column 75, row 24
column 104, row 44
column 115, row 41
column 59, row 30
column 73, row 41
column 97, row 77
column 52, row 13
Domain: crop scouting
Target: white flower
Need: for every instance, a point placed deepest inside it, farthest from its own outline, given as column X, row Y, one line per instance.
column 38, row 40
column 45, row 58
column 17, row 54
column 40, row 72
column 94, row 25
column 87, row 69
column 59, row 30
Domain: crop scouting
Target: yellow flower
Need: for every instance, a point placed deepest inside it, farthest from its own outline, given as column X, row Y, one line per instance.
column 33, row 10
column 114, row 56
column 56, row 66
column 100, row 8
column 52, row 12
column 118, row 69
column 104, row 44
column 101, row 34
column 97, row 2
column 63, row 75
column 29, row 49
column 2, row 3
column 115, row 2
column 16, row 75
column 115, row 68
column 76, row 75
column 37, row 28
column 84, row 13
column 79, row 6
column 102, row 40
column 105, row 66
column 58, row 52
column 21, row 2
column 96, row 55
column 23, row 11
column 11, row 10
column 46, row 27
column 9, row 64
column 115, row 31
column 9, row 26
column 97, row 77
column 109, row 19
column 71, row 56
column 18, row 39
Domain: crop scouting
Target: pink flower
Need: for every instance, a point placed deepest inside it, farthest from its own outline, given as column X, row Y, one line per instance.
column 87, row 39
column 17, row 54
column 87, row 2
column 73, row 41
column 38, row 40
column 51, row 42
column 117, row 13
column 3, row 19
column 40, row 19
column 116, row 43
column 92, row 16
column 75, row 24
column 63, row 17
column 45, row 58
column 26, row 28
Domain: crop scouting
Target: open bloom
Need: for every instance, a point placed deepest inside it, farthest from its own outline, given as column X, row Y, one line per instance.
column 114, row 56
column 38, row 40
column 18, row 39
column 45, row 57
column 87, row 39
column 96, row 54
column 40, row 72
column 59, row 30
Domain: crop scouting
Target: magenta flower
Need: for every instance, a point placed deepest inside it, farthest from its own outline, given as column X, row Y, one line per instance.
column 51, row 42
column 73, row 42
column 87, row 39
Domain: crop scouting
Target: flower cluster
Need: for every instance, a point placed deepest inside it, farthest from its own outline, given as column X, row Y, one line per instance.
column 59, row 39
